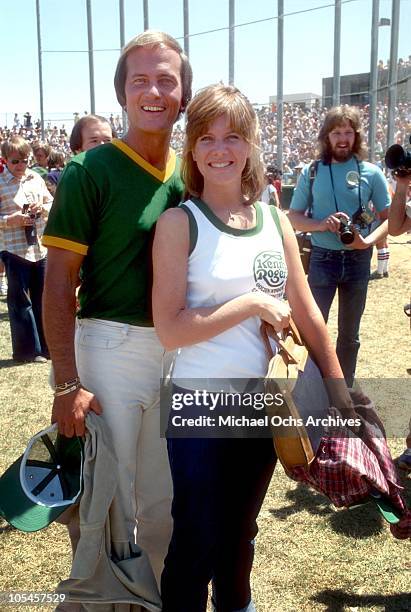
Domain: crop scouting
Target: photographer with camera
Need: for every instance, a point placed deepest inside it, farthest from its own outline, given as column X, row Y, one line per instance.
column 399, row 161
column 341, row 185
column 399, row 221
column 25, row 203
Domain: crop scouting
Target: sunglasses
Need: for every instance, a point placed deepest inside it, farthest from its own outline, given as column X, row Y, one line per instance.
column 18, row 161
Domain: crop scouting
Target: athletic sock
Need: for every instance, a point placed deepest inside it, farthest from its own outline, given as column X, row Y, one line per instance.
column 383, row 256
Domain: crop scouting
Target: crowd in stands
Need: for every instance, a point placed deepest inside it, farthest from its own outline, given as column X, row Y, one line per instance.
column 57, row 138
column 301, row 126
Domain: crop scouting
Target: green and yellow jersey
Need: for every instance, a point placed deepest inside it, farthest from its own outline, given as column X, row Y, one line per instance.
column 106, row 205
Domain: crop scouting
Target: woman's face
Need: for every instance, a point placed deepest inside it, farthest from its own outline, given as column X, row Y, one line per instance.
column 221, row 153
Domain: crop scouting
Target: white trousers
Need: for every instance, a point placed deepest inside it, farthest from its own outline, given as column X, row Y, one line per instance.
column 122, row 365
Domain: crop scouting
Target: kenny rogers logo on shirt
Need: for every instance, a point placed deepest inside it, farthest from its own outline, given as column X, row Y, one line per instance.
column 270, row 272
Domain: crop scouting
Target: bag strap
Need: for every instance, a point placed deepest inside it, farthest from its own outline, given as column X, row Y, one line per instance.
column 313, row 169
column 267, row 330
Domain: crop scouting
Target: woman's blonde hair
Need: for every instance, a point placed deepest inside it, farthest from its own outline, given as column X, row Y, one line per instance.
column 209, row 104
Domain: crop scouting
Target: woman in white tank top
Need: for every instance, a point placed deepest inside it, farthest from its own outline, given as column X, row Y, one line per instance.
column 222, row 263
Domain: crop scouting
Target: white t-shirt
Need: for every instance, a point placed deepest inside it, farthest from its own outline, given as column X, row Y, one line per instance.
column 224, row 264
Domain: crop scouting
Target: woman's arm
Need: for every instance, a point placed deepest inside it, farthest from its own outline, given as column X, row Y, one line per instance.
column 305, row 312
column 178, row 325
column 398, row 221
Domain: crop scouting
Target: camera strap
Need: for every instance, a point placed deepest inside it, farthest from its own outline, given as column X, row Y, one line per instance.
column 360, row 204
column 313, row 169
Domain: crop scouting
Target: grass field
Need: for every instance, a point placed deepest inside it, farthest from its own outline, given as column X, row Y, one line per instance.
column 309, row 556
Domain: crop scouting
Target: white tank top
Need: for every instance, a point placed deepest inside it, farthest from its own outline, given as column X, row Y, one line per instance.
column 226, row 263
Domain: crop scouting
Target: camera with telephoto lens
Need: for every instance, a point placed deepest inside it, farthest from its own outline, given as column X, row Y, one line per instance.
column 398, row 159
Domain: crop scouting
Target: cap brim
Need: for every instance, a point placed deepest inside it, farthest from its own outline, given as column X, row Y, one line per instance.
column 387, row 510
column 17, row 509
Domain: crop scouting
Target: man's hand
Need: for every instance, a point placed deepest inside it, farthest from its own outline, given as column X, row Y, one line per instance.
column 332, row 222
column 18, row 219
column 36, row 209
column 69, row 411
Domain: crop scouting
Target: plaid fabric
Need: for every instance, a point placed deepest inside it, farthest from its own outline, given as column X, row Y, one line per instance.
column 347, row 468
column 402, row 530
column 14, row 193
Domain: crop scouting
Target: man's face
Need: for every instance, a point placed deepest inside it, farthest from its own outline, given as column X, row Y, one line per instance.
column 153, row 89
column 342, row 139
column 41, row 158
column 17, row 164
column 95, row 133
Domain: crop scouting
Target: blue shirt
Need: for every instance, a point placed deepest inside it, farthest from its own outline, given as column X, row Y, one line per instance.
column 373, row 188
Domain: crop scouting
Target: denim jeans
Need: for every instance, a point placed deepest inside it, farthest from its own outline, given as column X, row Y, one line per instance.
column 25, row 289
column 348, row 272
column 219, row 487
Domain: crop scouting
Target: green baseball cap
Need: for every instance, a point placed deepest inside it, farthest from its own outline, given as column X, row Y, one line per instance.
column 43, row 482
column 387, row 510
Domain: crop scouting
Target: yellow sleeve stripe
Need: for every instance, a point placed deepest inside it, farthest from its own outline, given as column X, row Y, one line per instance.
column 161, row 175
column 62, row 243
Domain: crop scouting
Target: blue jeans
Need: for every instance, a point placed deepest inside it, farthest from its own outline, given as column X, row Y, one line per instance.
column 219, row 487
column 25, row 289
column 348, row 272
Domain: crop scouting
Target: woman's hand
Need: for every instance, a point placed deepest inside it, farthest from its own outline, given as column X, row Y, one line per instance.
column 275, row 312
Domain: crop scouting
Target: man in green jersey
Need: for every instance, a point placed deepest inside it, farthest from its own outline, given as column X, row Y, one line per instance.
column 107, row 202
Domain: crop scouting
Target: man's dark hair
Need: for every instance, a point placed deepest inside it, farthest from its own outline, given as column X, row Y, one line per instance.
column 335, row 117
column 56, row 159
column 273, row 172
column 76, row 141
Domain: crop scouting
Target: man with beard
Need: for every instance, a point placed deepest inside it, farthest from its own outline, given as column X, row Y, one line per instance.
column 341, row 185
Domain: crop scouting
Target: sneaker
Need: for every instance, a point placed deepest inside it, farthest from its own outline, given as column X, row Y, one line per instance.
column 386, row 275
column 376, row 275
column 404, row 460
column 39, row 359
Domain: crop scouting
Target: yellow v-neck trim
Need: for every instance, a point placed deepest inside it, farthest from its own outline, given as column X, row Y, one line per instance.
column 161, row 175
